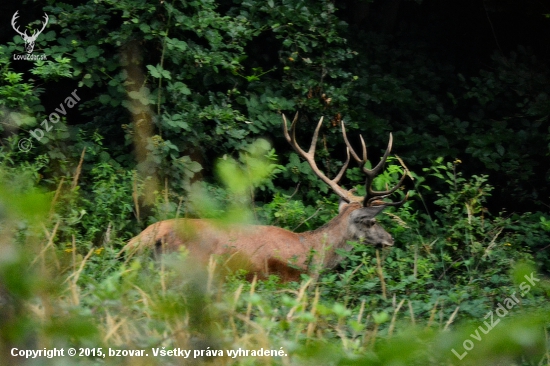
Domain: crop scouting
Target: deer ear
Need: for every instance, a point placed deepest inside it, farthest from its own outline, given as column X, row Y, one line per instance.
column 372, row 211
column 342, row 204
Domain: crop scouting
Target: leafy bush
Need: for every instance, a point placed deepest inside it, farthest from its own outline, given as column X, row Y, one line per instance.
column 375, row 303
column 462, row 256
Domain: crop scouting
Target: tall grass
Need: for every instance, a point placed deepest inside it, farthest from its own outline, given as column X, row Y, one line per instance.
column 173, row 304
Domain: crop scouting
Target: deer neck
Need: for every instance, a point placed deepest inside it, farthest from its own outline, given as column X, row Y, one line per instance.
column 331, row 236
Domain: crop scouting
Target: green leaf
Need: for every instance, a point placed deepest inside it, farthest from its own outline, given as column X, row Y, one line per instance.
column 104, row 98
column 153, row 71
column 80, row 55
column 92, row 51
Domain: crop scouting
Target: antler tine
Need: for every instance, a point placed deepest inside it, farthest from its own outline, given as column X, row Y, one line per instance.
column 377, row 195
column 292, row 138
column 373, row 195
column 310, row 157
column 372, row 173
column 353, row 153
column 45, row 22
column 313, row 145
column 399, row 203
column 343, row 169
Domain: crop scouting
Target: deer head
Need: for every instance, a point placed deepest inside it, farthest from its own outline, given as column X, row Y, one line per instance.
column 362, row 225
column 29, row 40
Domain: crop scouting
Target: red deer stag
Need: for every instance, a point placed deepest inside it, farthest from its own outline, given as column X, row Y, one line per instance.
column 268, row 249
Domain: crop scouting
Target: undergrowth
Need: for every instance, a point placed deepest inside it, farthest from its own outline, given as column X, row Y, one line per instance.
column 412, row 304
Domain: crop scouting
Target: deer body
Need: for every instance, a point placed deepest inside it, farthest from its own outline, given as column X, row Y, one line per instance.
column 267, row 249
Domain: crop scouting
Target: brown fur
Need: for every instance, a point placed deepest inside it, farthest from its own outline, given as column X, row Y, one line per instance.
column 263, row 249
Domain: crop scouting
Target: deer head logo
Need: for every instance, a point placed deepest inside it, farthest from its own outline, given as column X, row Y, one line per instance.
column 29, row 40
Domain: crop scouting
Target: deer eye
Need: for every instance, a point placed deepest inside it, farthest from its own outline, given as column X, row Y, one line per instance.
column 369, row 222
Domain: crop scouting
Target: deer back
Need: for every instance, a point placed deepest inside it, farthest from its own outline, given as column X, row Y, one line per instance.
column 262, row 249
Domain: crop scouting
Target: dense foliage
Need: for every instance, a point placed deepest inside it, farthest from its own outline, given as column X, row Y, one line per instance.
column 178, row 113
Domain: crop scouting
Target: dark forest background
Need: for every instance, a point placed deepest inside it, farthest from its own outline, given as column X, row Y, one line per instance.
column 465, row 81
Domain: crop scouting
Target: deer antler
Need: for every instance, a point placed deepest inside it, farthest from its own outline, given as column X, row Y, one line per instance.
column 372, row 198
column 44, row 24
column 309, row 156
column 370, row 174
column 13, row 19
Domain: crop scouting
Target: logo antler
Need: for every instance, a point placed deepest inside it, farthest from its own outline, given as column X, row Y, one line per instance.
column 29, row 40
